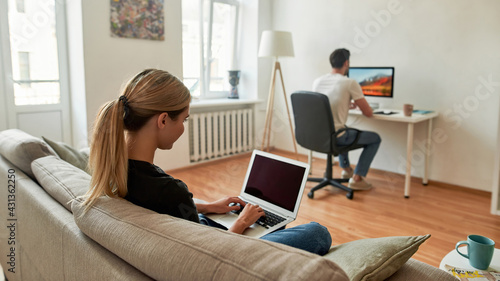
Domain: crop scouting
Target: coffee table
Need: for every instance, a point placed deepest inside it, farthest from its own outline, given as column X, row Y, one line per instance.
column 456, row 260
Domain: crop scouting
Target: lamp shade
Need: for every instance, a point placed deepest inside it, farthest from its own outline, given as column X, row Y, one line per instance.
column 276, row 44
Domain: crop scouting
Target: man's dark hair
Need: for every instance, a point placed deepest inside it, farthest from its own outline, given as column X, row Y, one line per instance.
column 339, row 57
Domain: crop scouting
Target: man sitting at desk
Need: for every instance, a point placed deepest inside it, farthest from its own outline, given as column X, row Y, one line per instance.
column 341, row 90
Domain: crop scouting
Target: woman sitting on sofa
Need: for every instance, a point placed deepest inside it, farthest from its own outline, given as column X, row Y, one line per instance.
column 149, row 115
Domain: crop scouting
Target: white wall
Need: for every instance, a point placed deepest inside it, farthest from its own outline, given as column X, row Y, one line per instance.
column 264, row 69
column 76, row 74
column 4, row 29
column 248, row 25
column 110, row 62
column 3, row 103
column 446, row 58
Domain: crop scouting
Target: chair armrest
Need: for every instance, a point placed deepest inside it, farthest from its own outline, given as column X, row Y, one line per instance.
column 337, row 150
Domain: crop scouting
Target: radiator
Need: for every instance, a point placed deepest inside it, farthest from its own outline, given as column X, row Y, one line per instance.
column 218, row 134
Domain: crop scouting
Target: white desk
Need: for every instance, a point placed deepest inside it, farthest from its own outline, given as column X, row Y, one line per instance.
column 415, row 118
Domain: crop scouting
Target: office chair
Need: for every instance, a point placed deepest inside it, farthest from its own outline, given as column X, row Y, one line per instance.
column 315, row 130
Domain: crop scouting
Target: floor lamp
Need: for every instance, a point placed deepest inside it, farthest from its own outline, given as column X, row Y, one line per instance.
column 275, row 44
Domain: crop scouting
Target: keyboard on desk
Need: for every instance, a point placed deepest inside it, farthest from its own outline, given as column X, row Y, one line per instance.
column 385, row 112
column 271, row 219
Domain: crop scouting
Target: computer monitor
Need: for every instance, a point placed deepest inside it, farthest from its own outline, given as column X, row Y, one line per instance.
column 374, row 81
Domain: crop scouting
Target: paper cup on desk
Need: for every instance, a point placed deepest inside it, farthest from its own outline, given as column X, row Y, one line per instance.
column 408, row 109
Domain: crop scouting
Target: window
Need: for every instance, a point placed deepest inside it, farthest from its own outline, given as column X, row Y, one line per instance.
column 209, row 45
column 24, row 68
column 34, row 52
column 20, row 6
column 34, row 68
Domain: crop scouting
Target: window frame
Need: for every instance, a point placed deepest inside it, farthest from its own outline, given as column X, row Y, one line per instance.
column 62, row 57
column 206, row 59
column 8, row 81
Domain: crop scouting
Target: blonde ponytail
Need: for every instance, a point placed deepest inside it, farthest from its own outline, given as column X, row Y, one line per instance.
column 150, row 92
column 108, row 154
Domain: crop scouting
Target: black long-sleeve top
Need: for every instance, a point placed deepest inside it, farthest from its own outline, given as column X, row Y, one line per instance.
column 150, row 187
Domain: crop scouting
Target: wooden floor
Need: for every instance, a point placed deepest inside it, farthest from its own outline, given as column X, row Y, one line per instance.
column 448, row 213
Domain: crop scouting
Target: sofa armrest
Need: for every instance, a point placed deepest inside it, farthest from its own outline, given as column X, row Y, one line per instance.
column 414, row 270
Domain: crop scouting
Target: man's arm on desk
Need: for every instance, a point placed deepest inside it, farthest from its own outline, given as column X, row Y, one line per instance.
column 364, row 107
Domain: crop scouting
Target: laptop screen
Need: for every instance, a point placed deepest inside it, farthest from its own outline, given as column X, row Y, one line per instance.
column 275, row 181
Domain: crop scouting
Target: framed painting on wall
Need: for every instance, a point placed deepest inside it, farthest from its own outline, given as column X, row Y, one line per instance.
column 141, row 19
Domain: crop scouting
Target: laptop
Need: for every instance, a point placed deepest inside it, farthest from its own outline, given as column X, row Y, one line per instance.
column 276, row 184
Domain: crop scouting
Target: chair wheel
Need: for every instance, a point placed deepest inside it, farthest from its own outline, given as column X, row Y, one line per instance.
column 349, row 195
column 310, row 195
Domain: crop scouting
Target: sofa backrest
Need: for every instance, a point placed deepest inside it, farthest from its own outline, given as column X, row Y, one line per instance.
column 169, row 248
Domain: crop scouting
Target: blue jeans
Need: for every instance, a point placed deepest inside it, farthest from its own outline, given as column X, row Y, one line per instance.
column 369, row 140
column 311, row 237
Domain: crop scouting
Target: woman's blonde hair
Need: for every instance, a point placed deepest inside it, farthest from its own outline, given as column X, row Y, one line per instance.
column 149, row 93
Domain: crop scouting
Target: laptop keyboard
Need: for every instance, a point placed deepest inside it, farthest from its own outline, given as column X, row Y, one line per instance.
column 271, row 219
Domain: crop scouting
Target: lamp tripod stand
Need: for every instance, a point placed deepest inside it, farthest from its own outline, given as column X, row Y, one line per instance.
column 270, row 108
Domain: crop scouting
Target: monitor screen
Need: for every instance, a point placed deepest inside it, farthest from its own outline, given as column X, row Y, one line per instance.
column 374, row 81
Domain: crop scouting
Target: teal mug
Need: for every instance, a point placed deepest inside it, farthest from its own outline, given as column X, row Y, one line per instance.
column 479, row 250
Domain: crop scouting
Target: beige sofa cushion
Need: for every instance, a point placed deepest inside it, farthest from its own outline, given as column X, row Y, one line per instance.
column 64, row 182
column 21, row 149
column 168, row 248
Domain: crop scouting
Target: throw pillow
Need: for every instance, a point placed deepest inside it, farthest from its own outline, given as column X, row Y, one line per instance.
column 69, row 154
column 21, row 149
column 375, row 258
column 63, row 181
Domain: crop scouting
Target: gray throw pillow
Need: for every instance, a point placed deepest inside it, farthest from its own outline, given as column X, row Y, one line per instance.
column 21, row 149
column 69, row 154
column 375, row 258
column 64, row 182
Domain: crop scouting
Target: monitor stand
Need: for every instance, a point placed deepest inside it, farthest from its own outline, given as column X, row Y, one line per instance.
column 374, row 105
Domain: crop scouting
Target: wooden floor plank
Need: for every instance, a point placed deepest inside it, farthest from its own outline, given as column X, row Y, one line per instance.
column 446, row 212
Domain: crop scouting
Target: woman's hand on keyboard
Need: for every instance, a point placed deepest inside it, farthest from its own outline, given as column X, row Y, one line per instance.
column 221, row 206
column 249, row 215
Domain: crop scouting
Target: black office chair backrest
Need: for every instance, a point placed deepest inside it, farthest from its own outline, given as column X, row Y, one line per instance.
column 314, row 125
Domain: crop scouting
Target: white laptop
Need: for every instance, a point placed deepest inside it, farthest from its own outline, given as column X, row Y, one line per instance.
column 276, row 184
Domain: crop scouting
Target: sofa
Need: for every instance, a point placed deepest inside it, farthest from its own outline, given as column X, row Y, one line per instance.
column 47, row 235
